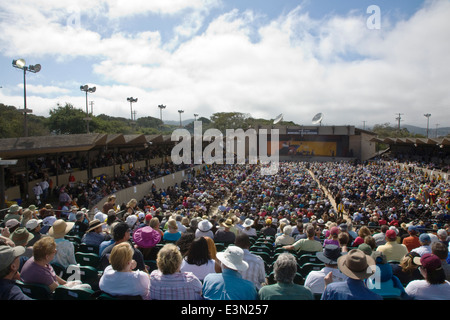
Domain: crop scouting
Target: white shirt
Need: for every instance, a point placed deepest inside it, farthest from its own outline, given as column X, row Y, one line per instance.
column 199, row 271
column 256, row 271
column 250, row 232
column 132, row 283
column 199, row 233
column 422, row 250
column 315, row 279
column 422, row 290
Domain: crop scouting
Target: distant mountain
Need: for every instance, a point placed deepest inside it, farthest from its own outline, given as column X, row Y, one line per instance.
column 177, row 122
column 431, row 131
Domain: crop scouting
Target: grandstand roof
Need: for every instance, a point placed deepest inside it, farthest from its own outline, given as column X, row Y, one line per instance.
column 414, row 141
column 38, row 145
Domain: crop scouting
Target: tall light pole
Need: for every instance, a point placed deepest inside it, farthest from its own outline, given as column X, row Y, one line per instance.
column 399, row 118
column 86, row 89
column 428, row 115
column 180, row 112
column 131, row 100
column 195, row 116
column 20, row 64
column 161, row 107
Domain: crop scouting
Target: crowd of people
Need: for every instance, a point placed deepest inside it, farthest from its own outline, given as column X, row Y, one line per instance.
column 376, row 232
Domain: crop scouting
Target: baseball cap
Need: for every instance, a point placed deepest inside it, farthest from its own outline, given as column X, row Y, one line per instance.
column 8, row 254
column 391, row 234
column 429, row 261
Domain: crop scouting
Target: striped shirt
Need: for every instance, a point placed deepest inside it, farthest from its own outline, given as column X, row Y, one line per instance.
column 177, row 286
column 256, row 271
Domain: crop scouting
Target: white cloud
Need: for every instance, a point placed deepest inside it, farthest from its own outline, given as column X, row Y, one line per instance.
column 293, row 64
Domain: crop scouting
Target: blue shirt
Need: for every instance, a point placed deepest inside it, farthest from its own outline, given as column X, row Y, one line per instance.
column 350, row 289
column 228, row 285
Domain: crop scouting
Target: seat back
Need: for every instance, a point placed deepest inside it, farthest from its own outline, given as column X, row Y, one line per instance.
column 308, row 267
column 65, row 293
column 88, row 248
column 87, row 259
column 35, row 291
column 308, row 258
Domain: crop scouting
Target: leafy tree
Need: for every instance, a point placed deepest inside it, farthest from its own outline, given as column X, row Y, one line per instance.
column 68, row 120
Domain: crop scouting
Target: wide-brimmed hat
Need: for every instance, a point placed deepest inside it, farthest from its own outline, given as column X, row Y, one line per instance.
column 227, row 223
column 14, row 208
column 8, row 254
column 60, row 228
column 233, row 258
column 248, row 223
column 94, row 224
column 330, row 254
column 21, row 236
column 204, row 225
column 146, row 237
column 357, row 265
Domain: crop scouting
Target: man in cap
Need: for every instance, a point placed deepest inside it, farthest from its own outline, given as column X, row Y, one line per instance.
column 14, row 212
column 392, row 250
column 357, row 266
column 94, row 234
column 425, row 244
column 225, row 235
column 315, row 279
column 9, row 273
column 121, row 233
column 268, row 229
column 34, row 227
column 229, row 285
column 412, row 241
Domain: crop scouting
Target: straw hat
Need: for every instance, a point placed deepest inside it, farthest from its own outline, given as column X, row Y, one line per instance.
column 228, row 223
column 94, row 224
column 60, row 228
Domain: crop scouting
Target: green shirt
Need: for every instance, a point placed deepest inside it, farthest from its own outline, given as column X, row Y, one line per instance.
column 284, row 291
column 308, row 245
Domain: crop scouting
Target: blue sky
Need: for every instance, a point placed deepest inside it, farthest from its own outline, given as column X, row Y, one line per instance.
column 260, row 57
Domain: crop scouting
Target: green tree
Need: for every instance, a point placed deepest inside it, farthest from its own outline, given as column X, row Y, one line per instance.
column 68, row 120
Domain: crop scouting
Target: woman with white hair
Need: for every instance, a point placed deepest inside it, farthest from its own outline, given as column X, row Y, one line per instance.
column 285, row 238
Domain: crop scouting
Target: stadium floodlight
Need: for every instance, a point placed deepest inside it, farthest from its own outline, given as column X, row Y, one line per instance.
column 180, row 112
column 132, row 100
column 161, row 107
column 428, row 115
column 21, row 64
column 86, row 89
